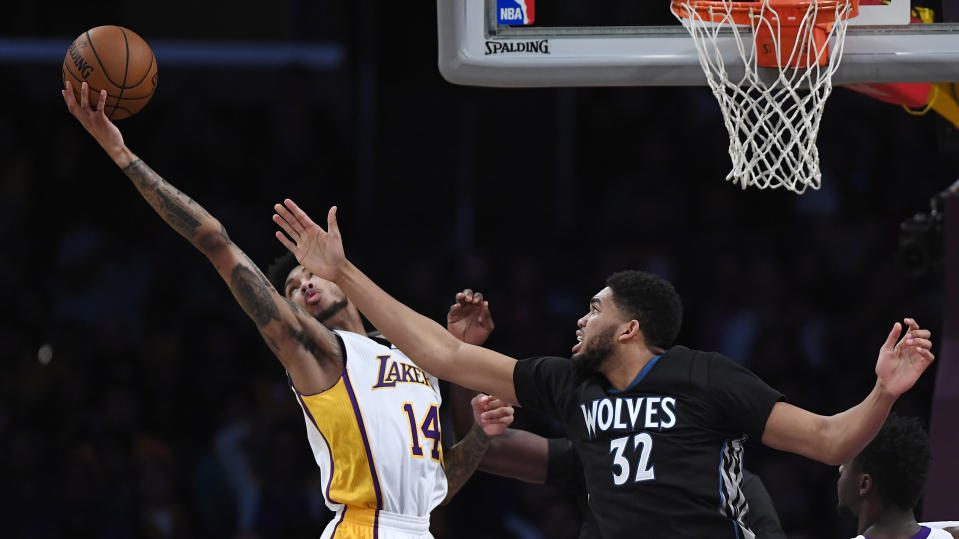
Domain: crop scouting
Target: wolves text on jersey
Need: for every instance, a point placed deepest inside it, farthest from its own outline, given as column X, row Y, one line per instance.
column 629, row 414
column 392, row 372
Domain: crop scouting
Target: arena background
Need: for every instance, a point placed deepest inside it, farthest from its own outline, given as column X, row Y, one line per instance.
column 137, row 400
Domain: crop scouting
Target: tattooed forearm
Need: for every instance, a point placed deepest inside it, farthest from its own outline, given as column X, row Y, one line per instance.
column 176, row 215
column 463, row 458
column 177, row 209
column 254, row 295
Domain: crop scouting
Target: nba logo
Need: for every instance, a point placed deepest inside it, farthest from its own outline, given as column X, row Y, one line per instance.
column 514, row 12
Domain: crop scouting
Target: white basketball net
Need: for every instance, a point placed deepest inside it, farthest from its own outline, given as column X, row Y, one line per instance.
column 773, row 119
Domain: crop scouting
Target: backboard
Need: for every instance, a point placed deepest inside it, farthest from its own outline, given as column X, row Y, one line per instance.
column 573, row 43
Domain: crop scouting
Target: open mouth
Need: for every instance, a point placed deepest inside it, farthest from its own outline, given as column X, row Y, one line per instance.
column 312, row 297
column 579, row 342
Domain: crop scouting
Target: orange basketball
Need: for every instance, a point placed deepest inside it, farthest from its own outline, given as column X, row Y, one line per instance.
column 115, row 59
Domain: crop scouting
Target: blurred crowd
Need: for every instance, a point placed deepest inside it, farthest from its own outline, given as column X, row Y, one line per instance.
column 137, row 400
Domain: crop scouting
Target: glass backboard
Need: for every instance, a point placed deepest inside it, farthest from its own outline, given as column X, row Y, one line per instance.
column 639, row 43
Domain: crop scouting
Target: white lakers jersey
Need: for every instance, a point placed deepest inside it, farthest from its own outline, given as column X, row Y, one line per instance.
column 376, row 435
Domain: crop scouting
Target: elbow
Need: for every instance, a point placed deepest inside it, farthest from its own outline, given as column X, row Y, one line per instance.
column 211, row 238
column 835, row 447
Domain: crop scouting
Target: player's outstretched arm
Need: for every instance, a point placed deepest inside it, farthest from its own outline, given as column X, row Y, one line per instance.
column 297, row 339
column 423, row 340
column 837, row 439
column 491, row 417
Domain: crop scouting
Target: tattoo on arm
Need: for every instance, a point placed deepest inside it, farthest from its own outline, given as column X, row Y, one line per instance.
column 177, row 209
column 463, row 458
column 254, row 295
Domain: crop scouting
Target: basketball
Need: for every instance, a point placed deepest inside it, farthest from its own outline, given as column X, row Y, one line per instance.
column 115, row 59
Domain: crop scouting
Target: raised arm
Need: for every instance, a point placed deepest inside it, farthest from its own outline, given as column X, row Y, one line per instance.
column 295, row 337
column 433, row 348
column 837, row 439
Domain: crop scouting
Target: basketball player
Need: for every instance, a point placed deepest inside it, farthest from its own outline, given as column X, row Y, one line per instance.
column 659, row 428
column 372, row 415
column 882, row 484
column 534, row 459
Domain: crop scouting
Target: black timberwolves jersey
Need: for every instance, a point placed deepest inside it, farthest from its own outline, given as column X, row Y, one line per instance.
column 662, row 458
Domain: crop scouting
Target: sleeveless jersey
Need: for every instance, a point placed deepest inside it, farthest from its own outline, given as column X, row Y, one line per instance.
column 376, row 435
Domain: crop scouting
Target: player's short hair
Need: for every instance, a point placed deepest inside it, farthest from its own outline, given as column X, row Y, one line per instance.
column 280, row 269
column 652, row 301
column 898, row 461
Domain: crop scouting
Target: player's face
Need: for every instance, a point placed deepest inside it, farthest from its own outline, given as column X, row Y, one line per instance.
column 847, row 489
column 597, row 330
column 320, row 298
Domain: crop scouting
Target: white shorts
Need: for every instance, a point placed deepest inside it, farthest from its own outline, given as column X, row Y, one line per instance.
column 360, row 523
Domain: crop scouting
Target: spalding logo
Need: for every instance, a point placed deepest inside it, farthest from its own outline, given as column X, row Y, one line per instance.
column 82, row 66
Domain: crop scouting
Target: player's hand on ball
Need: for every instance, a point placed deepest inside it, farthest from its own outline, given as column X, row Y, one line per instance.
column 469, row 319
column 320, row 251
column 900, row 364
column 491, row 414
column 94, row 121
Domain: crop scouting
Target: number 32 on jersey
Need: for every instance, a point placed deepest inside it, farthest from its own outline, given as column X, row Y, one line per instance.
column 640, row 446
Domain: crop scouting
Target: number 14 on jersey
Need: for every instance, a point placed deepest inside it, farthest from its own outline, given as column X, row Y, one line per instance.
column 430, row 427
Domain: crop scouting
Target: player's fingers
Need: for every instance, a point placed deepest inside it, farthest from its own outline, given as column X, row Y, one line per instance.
column 286, row 227
column 921, row 343
column 497, row 413
column 102, row 102
column 286, row 242
column 84, row 98
column 301, row 215
column 911, row 323
column 68, row 96
column 893, row 335
column 288, row 217
column 331, row 226
column 921, row 333
column 477, row 298
column 494, row 402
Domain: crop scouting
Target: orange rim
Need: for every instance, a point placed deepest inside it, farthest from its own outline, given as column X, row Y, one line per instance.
column 790, row 12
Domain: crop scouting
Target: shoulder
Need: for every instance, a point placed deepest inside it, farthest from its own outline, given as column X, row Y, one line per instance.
column 355, row 339
column 550, row 366
column 680, row 363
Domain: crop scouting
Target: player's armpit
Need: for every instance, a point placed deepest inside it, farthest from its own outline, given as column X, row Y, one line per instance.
column 309, row 351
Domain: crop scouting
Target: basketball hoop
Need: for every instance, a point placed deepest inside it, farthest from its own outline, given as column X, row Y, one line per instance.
column 773, row 112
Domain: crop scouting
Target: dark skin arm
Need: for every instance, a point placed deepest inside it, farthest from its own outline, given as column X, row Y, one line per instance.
column 517, row 454
column 309, row 351
column 491, row 417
